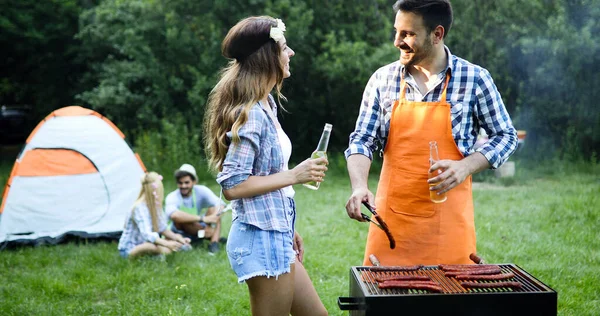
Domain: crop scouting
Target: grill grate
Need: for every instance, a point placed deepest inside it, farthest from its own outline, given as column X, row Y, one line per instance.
column 448, row 285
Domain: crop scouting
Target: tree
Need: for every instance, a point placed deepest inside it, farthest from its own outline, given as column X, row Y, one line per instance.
column 39, row 59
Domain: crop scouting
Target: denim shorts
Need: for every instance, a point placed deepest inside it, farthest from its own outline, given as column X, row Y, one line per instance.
column 255, row 252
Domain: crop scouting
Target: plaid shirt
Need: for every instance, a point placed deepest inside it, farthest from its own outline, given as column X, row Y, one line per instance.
column 257, row 154
column 138, row 228
column 474, row 99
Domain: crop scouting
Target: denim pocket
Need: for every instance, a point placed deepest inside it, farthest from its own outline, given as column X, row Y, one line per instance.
column 241, row 240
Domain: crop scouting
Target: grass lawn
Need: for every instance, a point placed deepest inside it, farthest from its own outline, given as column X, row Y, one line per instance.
column 544, row 220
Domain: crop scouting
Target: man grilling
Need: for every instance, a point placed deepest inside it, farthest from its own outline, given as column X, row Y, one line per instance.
column 427, row 95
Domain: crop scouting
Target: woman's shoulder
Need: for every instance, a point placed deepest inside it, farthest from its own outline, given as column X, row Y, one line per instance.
column 140, row 207
column 257, row 114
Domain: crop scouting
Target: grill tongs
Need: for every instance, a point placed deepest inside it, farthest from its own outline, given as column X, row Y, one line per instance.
column 382, row 225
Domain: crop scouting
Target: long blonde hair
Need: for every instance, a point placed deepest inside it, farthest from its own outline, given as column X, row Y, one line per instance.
column 255, row 66
column 152, row 194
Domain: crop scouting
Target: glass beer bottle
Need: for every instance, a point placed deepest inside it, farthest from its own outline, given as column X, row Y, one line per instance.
column 433, row 158
column 321, row 151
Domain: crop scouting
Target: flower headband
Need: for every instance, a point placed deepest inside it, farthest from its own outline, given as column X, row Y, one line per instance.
column 277, row 31
column 249, row 43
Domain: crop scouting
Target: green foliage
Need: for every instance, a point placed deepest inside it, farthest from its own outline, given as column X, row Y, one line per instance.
column 139, row 62
column 152, row 59
column 173, row 144
column 40, row 63
column 560, row 89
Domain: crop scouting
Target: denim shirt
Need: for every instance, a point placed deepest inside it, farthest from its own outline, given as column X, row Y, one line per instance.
column 258, row 153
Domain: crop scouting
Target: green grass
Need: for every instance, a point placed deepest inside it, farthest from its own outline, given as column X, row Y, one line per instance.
column 545, row 220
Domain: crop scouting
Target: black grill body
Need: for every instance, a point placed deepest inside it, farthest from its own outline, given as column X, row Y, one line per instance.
column 535, row 298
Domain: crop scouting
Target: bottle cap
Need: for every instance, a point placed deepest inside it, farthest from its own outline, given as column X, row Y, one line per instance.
column 328, row 127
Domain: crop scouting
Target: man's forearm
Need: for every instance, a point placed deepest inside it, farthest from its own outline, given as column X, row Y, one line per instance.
column 183, row 217
column 475, row 163
column 358, row 170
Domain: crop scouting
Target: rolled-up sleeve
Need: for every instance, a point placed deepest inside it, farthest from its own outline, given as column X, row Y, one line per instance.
column 494, row 119
column 362, row 139
column 142, row 219
column 239, row 160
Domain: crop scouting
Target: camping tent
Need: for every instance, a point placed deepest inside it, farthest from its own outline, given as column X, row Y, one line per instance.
column 75, row 176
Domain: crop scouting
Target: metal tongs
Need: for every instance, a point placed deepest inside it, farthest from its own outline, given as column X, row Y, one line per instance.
column 382, row 225
column 366, row 217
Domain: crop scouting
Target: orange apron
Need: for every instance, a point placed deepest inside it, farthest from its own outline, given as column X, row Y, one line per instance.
column 425, row 232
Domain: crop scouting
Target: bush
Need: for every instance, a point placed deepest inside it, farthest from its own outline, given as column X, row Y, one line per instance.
column 166, row 149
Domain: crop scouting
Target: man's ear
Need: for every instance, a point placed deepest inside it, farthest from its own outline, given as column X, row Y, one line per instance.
column 438, row 34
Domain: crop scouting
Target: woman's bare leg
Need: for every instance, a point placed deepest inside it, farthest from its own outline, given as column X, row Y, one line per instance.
column 148, row 249
column 271, row 296
column 306, row 300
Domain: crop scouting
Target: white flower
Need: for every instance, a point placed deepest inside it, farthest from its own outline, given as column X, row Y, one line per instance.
column 280, row 24
column 277, row 31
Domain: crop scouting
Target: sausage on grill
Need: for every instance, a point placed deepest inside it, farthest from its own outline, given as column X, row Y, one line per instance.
column 505, row 284
column 475, row 272
column 396, row 268
column 488, row 277
column 416, row 285
column 462, row 267
column 382, row 278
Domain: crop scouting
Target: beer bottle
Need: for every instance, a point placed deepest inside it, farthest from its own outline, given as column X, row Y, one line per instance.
column 321, row 151
column 433, row 158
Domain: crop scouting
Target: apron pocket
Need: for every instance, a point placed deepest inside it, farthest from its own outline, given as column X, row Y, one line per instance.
column 408, row 194
column 416, row 208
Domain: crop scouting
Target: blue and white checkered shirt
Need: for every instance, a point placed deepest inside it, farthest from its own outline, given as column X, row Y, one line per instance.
column 138, row 228
column 257, row 154
column 474, row 99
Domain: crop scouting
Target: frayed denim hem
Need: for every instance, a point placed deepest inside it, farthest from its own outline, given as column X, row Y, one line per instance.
column 267, row 273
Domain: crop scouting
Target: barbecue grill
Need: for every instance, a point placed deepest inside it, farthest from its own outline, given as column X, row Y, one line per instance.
column 366, row 298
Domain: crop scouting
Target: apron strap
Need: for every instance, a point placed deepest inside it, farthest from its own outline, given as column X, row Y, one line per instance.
column 194, row 198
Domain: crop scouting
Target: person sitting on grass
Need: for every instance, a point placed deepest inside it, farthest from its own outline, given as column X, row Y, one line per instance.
column 184, row 207
column 146, row 222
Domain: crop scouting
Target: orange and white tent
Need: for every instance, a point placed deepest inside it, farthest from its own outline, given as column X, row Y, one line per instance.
column 75, row 176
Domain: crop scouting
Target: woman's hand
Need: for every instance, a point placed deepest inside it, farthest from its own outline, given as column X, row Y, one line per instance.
column 173, row 245
column 311, row 170
column 298, row 247
column 183, row 240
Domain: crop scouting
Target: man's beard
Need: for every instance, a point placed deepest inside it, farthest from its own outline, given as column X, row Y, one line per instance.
column 188, row 192
column 419, row 54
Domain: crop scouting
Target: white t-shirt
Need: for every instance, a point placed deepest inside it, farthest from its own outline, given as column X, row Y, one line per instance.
column 286, row 148
column 205, row 198
column 284, row 142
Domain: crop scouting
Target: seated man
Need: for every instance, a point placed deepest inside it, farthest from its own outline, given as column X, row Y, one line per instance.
column 184, row 208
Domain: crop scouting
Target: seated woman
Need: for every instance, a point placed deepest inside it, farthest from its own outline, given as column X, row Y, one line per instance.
column 146, row 222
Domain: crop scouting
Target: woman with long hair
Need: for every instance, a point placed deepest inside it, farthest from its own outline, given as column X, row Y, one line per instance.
column 146, row 223
column 247, row 146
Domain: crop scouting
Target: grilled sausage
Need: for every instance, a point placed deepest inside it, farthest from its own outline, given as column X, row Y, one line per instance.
column 386, row 230
column 505, row 284
column 396, row 268
column 462, row 267
column 489, row 277
column 416, row 285
column 473, row 272
column 382, row 278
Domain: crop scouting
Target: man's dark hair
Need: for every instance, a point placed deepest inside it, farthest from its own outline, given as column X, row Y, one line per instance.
column 180, row 174
column 433, row 12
